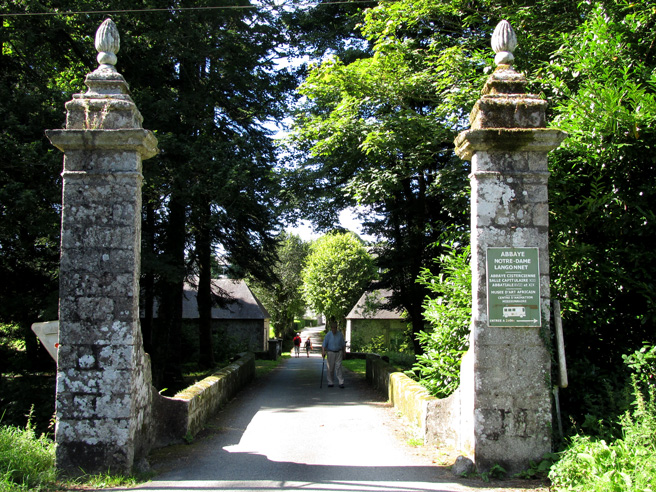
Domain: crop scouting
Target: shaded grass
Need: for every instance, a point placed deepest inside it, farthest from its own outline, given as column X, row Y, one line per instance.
column 264, row 367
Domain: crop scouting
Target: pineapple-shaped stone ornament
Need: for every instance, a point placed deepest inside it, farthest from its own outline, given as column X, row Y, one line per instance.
column 504, row 42
column 108, row 42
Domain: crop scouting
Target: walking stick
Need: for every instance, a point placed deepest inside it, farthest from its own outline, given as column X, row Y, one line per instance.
column 323, row 361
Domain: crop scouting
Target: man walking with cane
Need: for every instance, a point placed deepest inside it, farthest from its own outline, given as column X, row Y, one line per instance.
column 334, row 347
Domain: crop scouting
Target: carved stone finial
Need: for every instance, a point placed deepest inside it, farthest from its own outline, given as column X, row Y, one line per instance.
column 108, row 42
column 504, row 42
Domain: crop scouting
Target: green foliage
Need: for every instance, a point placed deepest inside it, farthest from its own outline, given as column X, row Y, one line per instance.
column 226, row 346
column 378, row 131
column 602, row 190
column 27, row 462
column 595, row 398
column 283, row 297
column 415, row 442
column 375, row 335
column 210, row 85
column 337, row 272
column 26, row 395
column 208, row 93
column 398, row 344
column 539, row 469
column 30, row 183
column 375, row 345
column 20, row 388
column 364, row 132
column 12, row 348
column 449, row 314
column 497, row 472
column 643, row 364
column 627, row 463
column 376, row 128
column 327, row 27
column 401, row 361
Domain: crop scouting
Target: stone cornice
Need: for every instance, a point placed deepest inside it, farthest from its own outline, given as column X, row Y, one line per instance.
column 137, row 139
column 507, row 140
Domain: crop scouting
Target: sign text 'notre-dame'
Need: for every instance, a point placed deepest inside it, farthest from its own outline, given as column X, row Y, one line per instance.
column 513, row 287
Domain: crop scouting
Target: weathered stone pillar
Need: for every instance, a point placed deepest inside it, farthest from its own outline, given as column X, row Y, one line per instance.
column 103, row 375
column 505, row 380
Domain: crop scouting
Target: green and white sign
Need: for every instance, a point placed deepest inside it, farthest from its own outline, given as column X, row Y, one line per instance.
column 513, row 287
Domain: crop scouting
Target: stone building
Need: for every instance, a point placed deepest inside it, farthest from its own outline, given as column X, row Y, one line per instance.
column 237, row 314
column 370, row 321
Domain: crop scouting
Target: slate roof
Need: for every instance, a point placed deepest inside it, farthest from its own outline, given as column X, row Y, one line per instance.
column 234, row 300
column 360, row 310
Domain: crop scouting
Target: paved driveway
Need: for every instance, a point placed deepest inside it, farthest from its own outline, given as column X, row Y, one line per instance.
column 285, row 433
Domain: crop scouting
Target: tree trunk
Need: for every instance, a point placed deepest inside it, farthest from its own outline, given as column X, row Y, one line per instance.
column 204, row 298
column 171, row 289
column 148, row 276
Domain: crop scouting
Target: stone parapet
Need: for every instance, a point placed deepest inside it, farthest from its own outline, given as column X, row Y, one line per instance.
column 437, row 419
column 185, row 414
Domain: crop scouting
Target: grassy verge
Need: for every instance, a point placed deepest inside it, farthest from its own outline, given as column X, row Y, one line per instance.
column 264, row 367
column 27, row 462
column 358, row 366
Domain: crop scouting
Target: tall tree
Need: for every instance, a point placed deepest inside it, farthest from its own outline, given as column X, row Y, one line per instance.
column 214, row 181
column 283, row 297
column 602, row 194
column 338, row 270
column 379, row 132
column 204, row 77
column 35, row 56
column 326, row 29
column 601, row 87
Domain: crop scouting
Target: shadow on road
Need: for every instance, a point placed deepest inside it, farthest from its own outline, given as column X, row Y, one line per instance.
column 285, row 433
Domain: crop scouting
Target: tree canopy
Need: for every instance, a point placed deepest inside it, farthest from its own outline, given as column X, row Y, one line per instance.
column 283, row 298
column 337, row 272
column 207, row 83
column 603, row 85
column 378, row 131
column 364, row 129
column 375, row 127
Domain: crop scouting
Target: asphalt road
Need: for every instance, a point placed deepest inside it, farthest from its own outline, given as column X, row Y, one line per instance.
column 285, row 433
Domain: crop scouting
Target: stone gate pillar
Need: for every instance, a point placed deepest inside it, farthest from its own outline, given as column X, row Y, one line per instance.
column 505, row 376
column 103, row 375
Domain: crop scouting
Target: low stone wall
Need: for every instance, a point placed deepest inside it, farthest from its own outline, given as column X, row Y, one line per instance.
column 378, row 372
column 438, row 419
column 184, row 415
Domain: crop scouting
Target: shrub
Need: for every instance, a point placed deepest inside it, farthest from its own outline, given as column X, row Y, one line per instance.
column 13, row 356
column 449, row 314
column 643, row 363
column 625, row 464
